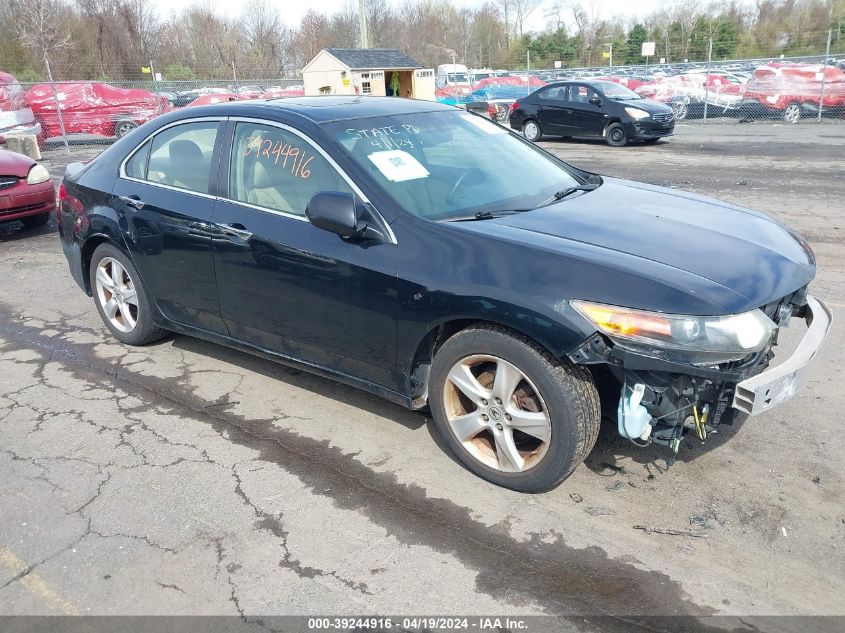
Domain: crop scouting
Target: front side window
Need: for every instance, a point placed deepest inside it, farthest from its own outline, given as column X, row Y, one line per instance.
column 447, row 164
column 180, row 157
column 278, row 170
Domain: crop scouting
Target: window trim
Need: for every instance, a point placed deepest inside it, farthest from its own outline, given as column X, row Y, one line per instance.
column 302, row 218
column 122, row 171
column 222, row 121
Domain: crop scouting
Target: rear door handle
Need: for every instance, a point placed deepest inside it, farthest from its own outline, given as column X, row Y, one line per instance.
column 236, row 230
column 132, row 201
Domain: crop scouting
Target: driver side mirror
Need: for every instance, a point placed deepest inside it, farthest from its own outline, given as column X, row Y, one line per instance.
column 595, row 101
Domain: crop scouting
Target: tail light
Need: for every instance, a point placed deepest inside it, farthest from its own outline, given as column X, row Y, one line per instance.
column 62, row 198
column 514, row 105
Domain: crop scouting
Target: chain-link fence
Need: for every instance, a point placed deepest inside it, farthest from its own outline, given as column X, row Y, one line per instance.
column 86, row 112
column 793, row 90
column 789, row 89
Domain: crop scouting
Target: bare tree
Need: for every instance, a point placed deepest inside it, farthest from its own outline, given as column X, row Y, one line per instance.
column 39, row 28
column 522, row 10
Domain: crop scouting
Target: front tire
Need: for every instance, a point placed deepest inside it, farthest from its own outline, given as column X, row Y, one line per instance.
column 509, row 411
column 531, row 130
column 120, row 297
column 617, row 135
column 123, row 128
column 792, row 113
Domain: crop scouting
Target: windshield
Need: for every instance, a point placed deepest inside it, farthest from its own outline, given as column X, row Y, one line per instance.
column 451, row 164
column 458, row 78
column 618, row 92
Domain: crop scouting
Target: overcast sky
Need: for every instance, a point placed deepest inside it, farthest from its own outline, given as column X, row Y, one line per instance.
column 293, row 11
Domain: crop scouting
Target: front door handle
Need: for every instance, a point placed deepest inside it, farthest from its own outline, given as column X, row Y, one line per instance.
column 236, row 230
column 132, row 201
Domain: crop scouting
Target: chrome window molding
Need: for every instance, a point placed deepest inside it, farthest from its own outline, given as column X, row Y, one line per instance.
column 122, row 171
column 236, row 119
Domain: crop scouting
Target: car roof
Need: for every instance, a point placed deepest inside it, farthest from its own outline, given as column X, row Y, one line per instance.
column 594, row 83
column 326, row 108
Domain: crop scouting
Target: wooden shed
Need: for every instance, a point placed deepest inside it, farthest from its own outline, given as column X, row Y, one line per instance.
column 367, row 71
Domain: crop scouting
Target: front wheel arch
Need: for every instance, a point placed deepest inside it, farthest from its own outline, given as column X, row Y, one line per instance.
column 442, row 332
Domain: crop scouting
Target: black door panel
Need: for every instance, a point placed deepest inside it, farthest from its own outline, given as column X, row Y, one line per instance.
column 288, row 286
column 170, row 241
column 306, row 293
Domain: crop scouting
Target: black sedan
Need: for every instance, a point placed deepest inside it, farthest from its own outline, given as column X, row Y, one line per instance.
column 436, row 259
column 601, row 109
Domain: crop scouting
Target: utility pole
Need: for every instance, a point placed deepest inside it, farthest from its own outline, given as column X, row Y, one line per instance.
column 824, row 74
column 707, row 78
column 528, row 71
column 362, row 23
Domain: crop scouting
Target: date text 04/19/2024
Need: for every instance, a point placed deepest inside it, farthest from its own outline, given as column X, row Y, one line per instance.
column 429, row 623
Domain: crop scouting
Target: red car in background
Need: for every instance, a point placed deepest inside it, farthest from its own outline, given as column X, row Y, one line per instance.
column 216, row 97
column 93, row 108
column 687, row 93
column 790, row 91
column 282, row 93
column 16, row 116
column 26, row 190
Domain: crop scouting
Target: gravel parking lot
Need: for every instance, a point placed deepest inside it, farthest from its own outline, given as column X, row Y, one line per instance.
column 186, row 478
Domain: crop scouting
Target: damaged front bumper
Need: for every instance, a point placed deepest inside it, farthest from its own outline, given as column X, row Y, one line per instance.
column 661, row 398
column 778, row 384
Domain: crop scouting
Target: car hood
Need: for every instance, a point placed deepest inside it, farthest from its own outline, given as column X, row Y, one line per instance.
column 14, row 164
column 649, row 105
column 753, row 257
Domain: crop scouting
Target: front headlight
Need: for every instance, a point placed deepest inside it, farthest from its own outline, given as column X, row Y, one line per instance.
column 637, row 114
column 697, row 339
column 37, row 175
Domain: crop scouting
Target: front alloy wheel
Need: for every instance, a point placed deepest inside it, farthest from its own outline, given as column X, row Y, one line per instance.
column 510, row 412
column 792, row 113
column 496, row 413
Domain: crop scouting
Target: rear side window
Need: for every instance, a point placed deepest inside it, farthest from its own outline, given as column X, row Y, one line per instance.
column 180, row 156
column 554, row 94
column 278, row 170
column 136, row 167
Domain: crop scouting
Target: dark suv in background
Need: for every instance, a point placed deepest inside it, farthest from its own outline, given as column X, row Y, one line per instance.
column 591, row 108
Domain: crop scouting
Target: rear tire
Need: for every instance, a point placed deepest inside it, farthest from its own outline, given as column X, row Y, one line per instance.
column 549, row 398
column 531, row 130
column 120, row 297
column 616, row 135
column 36, row 220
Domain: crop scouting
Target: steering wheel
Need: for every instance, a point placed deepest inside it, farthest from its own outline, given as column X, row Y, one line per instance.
column 475, row 177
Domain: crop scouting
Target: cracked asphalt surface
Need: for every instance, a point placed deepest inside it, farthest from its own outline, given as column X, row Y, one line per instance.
column 186, row 478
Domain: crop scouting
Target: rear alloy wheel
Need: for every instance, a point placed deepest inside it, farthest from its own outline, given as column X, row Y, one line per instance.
column 120, row 299
column 792, row 113
column 123, row 128
column 510, row 412
column 616, row 135
column 531, row 130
